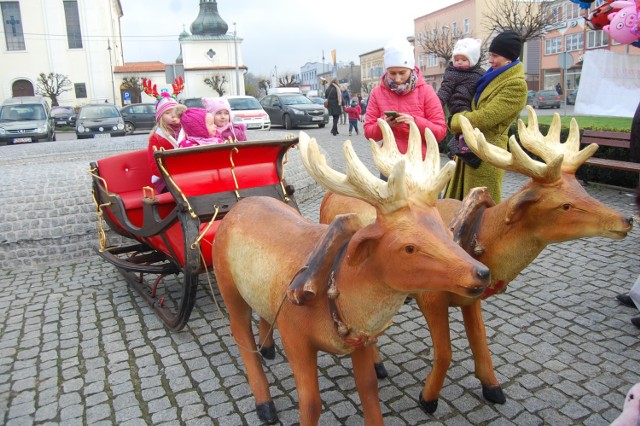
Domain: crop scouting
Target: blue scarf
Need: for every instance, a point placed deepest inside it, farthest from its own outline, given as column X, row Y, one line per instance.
column 488, row 77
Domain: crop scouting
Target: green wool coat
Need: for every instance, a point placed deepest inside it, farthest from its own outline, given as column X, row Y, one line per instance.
column 500, row 103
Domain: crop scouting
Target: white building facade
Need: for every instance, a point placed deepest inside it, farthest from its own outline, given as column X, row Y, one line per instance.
column 79, row 39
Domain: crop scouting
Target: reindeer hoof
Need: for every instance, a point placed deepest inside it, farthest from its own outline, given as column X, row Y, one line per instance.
column 268, row 352
column 381, row 372
column 267, row 412
column 493, row 394
column 428, row 407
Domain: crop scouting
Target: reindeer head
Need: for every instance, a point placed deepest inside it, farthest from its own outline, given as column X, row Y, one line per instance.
column 553, row 206
column 408, row 247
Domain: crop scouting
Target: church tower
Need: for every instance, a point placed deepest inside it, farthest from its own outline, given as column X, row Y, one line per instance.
column 210, row 52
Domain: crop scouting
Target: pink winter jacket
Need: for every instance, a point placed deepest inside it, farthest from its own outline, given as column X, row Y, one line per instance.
column 422, row 103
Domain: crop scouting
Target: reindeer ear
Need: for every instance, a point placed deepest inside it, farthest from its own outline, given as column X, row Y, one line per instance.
column 518, row 204
column 362, row 244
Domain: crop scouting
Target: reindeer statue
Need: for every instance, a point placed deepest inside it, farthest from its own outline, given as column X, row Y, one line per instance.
column 552, row 207
column 262, row 245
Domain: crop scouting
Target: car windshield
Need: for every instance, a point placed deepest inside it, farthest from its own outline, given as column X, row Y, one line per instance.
column 317, row 100
column 295, row 100
column 58, row 111
column 93, row 112
column 22, row 113
column 244, row 104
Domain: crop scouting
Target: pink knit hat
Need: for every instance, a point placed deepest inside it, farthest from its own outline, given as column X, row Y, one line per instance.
column 164, row 105
column 213, row 105
column 194, row 123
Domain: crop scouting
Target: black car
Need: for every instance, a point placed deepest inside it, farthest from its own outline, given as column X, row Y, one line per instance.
column 138, row 117
column 193, row 103
column 99, row 121
column 63, row 115
column 292, row 110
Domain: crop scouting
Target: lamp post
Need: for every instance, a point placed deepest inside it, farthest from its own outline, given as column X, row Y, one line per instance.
column 113, row 86
column 235, row 45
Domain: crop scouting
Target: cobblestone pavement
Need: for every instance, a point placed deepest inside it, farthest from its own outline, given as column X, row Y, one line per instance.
column 77, row 346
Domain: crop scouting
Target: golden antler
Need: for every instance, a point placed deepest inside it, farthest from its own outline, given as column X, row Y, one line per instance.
column 425, row 179
column 549, row 146
column 516, row 160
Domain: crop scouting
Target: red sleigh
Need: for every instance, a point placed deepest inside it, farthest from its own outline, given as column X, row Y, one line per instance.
column 170, row 234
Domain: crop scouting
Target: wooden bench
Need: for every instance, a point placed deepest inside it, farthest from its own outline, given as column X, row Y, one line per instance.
column 609, row 139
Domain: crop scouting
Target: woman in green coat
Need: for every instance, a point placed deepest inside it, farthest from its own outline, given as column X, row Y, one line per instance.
column 501, row 94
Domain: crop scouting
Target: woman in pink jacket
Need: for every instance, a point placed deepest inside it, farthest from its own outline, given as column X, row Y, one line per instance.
column 403, row 91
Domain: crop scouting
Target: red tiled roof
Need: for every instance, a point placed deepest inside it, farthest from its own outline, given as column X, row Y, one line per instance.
column 140, row 67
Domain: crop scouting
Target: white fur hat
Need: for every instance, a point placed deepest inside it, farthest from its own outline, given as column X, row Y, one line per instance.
column 469, row 48
column 399, row 53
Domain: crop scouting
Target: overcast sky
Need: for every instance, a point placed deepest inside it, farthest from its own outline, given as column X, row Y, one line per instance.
column 282, row 33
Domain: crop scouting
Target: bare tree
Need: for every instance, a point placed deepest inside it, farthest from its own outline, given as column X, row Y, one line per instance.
column 132, row 83
column 439, row 40
column 217, row 82
column 529, row 18
column 52, row 85
column 288, row 80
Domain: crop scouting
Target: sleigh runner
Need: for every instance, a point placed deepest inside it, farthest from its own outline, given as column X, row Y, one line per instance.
column 171, row 234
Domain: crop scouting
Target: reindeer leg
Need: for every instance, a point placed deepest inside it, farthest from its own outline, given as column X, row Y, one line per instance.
column 240, row 319
column 265, row 339
column 435, row 308
column 303, row 359
column 477, row 336
column 381, row 371
column 367, row 385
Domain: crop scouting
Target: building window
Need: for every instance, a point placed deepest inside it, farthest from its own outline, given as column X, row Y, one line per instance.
column 454, row 29
column 553, row 46
column 573, row 42
column 556, row 14
column 466, row 25
column 12, row 24
column 81, row 90
column 74, row 35
column 596, row 39
column 432, row 60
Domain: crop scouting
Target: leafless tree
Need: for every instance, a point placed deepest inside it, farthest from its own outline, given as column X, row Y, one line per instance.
column 132, row 83
column 439, row 40
column 52, row 85
column 217, row 82
column 287, row 80
column 529, row 18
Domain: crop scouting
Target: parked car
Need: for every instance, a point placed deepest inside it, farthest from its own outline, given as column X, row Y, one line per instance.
column 193, row 103
column 292, row 110
column 26, row 119
column 530, row 95
column 138, row 117
column 63, row 116
column 547, row 99
column 571, row 97
column 320, row 101
column 99, row 121
column 248, row 111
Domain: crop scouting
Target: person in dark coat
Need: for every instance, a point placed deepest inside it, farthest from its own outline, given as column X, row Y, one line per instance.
column 458, row 88
column 333, row 95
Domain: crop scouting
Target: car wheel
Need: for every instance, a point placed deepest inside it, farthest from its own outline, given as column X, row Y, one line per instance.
column 129, row 128
column 321, row 125
column 287, row 122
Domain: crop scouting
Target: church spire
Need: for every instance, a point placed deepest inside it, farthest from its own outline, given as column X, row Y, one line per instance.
column 209, row 22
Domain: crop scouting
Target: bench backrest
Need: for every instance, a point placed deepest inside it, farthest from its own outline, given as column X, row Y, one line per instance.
column 602, row 138
column 126, row 172
column 211, row 169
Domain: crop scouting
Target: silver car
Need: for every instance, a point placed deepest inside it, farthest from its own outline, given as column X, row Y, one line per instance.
column 546, row 99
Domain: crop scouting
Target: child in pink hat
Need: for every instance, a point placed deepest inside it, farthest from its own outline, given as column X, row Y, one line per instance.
column 165, row 135
column 223, row 119
column 199, row 128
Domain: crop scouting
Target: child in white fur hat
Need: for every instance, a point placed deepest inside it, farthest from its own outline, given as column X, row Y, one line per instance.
column 459, row 87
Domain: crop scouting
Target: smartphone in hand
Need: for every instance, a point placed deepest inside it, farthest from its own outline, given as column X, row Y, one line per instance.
column 392, row 114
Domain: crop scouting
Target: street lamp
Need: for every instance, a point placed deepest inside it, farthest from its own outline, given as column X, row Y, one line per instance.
column 235, row 45
column 113, row 86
